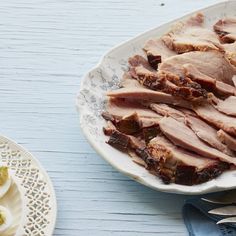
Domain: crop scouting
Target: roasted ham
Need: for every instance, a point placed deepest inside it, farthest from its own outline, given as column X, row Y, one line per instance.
column 175, row 112
column 176, row 165
column 205, row 62
column 165, row 110
column 227, row 139
column 220, row 120
column 227, row 106
column 184, row 137
column 162, row 158
column 130, row 117
column 143, row 94
column 226, row 29
column 206, row 133
column 164, row 81
column 157, row 52
column 191, row 36
column 210, row 84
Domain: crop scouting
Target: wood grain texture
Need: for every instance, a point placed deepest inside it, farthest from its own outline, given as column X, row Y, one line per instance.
column 45, row 48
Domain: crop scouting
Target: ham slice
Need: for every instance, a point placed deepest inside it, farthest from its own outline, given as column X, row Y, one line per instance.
column 191, row 36
column 230, row 52
column 143, row 94
column 224, row 89
column 226, row 29
column 157, row 52
column 227, row 139
column 182, row 87
column 207, row 82
column 205, row 62
column 227, row 106
column 206, row 133
column 166, row 110
column 220, row 120
column 174, row 164
column 130, row 117
column 170, row 163
column 183, row 136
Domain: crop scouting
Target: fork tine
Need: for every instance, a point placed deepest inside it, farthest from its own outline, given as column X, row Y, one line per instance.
column 224, row 211
column 227, row 220
column 216, row 200
column 227, row 198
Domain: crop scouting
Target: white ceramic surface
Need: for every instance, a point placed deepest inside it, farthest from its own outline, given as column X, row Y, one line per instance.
column 105, row 76
column 31, row 198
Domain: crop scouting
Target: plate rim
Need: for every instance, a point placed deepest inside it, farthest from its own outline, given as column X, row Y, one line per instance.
column 101, row 153
column 47, row 178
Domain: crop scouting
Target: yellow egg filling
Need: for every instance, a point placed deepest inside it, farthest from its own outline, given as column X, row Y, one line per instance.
column 3, row 175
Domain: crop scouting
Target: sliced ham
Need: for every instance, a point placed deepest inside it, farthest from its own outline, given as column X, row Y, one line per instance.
column 224, row 89
column 227, row 139
column 143, row 94
column 157, row 52
column 130, row 117
column 204, row 80
column 216, row 118
column 207, row 82
column 165, row 110
column 205, row 62
column 191, row 36
column 124, row 142
column 206, row 133
column 182, row 87
column 230, row 52
column 174, row 164
column 226, row 29
column 174, row 112
column 170, row 163
column 183, row 136
column 234, row 80
column 122, row 108
column 227, row 106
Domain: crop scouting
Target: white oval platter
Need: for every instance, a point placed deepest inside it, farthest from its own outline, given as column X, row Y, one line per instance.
column 105, row 76
column 31, row 197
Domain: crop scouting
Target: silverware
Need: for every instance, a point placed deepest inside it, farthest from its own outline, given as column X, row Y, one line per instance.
column 228, row 199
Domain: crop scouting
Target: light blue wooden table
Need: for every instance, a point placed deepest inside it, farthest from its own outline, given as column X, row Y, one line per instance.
column 45, row 48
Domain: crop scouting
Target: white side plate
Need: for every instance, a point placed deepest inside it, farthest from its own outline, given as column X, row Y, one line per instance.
column 105, row 76
column 31, row 198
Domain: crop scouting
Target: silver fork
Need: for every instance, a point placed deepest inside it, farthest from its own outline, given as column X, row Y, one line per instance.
column 226, row 199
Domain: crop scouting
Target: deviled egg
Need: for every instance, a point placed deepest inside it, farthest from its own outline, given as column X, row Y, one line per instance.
column 5, row 219
column 5, row 181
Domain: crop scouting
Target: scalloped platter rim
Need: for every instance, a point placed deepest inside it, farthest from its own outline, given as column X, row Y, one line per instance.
column 91, row 101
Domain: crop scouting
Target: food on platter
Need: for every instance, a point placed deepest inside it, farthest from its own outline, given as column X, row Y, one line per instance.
column 175, row 110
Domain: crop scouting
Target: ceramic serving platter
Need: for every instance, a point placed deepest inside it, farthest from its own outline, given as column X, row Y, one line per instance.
column 105, row 76
column 31, row 198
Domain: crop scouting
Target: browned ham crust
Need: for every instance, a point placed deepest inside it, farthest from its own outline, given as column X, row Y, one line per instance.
column 174, row 164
